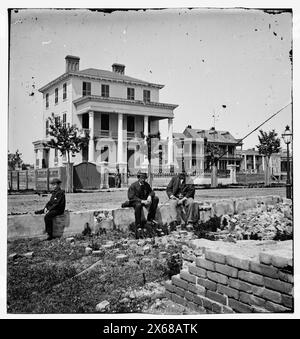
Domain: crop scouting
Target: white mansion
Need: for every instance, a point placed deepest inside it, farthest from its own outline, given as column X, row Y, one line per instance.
column 114, row 107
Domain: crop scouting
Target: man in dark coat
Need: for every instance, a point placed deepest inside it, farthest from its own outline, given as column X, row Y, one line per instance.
column 55, row 206
column 181, row 192
column 140, row 194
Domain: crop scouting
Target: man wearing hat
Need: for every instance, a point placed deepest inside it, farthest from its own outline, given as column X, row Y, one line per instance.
column 55, row 206
column 181, row 192
column 141, row 194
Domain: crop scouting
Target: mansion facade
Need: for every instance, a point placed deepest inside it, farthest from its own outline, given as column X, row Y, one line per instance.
column 116, row 109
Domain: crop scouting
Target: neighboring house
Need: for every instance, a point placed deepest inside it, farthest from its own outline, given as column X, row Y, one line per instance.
column 253, row 162
column 114, row 107
column 191, row 149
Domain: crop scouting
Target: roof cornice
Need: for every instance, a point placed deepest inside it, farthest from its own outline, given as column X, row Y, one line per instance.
column 94, row 77
column 122, row 101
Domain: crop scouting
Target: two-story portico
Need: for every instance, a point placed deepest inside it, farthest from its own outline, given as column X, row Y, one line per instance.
column 115, row 108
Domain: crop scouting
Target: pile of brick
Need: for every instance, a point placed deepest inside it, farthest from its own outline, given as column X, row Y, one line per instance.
column 226, row 283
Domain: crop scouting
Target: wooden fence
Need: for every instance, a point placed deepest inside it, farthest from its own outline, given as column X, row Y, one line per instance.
column 35, row 180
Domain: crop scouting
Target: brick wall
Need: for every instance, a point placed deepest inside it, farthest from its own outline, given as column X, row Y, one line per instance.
column 225, row 283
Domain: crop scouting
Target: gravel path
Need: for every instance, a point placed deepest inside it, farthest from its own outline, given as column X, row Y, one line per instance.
column 26, row 203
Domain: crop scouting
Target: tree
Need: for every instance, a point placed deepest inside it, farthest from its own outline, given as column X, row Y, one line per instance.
column 68, row 139
column 268, row 145
column 213, row 153
column 14, row 160
column 147, row 149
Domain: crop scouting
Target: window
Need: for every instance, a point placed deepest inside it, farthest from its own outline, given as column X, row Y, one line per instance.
column 130, row 93
column 86, row 88
column 85, row 120
column 47, row 127
column 146, row 95
column 105, row 91
column 47, row 100
column 64, row 119
column 64, row 91
column 105, row 122
column 56, row 95
column 130, row 123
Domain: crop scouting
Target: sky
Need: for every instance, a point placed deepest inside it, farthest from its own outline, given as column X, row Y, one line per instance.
column 206, row 58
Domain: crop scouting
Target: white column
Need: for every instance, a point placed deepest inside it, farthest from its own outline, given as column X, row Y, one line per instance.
column 146, row 125
column 254, row 162
column 263, row 162
column 170, row 142
column 245, row 161
column 120, row 138
column 91, row 141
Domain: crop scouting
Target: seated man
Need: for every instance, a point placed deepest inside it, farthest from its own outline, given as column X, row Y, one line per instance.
column 55, row 206
column 181, row 192
column 141, row 194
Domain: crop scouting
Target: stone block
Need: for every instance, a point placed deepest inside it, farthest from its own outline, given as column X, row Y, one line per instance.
column 267, row 294
column 251, row 299
column 276, row 308
column 123, row 217
column 205, row 264
column 179, row 282
column 240, row 285
column 278, row 285
column 196, row 308
column 179, row 291
column 189, row 296
column 253, row 278
column 103, row 306
column 121, row 258
column 197, row 271
column 287, row 277
column 223, row 207
column 197, row 289
column 265, row 258
column 227, row 309
column 216, row 297
column 217, row 308
column 239, row 262
column 168, row 295
column 226, row 270
column 185, row 275
column 287, row 301
column 88, row 251
column 257, row 309
column 208, row 284
column 169, row 286
column 230, row 292
column 280, row 261
column 239, row 306
column 265, row 270
column 179, row 300
column 97, row 253
column 215, row 256
column 217, row 277
column 242, row 205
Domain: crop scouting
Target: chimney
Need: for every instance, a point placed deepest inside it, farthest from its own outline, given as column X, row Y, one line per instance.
column 118, row 68
column 72, row 63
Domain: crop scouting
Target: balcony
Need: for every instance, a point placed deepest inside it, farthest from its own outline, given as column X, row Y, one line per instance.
column 114, row 134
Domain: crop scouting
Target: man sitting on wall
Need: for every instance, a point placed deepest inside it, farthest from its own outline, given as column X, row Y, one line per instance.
column 181, row 192
column 140, row 194
column 55, row 206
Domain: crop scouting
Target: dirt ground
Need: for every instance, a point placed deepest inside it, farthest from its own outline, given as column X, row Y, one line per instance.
column 27, row 203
